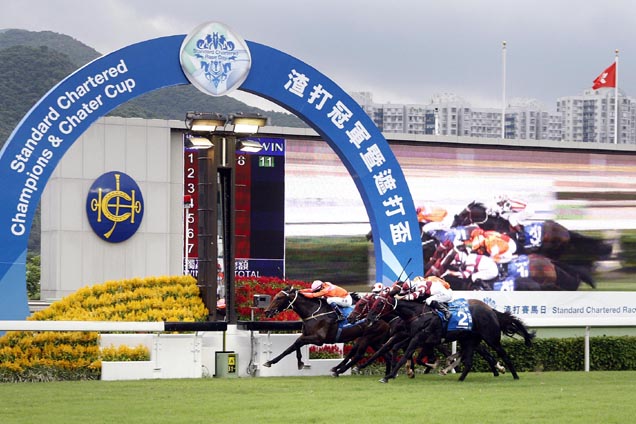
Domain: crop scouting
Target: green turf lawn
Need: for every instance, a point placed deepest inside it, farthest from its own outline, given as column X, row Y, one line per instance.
column 553, row 397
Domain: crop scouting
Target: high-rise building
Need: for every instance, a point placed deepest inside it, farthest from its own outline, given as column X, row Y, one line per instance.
column 590, row 117
column 585, row 118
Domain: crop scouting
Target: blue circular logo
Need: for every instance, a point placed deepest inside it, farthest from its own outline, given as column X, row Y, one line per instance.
column 115, row 207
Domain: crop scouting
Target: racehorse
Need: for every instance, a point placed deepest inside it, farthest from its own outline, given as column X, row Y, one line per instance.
column 523, row 273
column 369, row 337
column 400, row 337
column 548, row 238
column 320, row 324
column 427, row 329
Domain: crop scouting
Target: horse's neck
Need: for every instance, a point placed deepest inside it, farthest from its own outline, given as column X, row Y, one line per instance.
column 305, row 307
column 408, row 309
column 496, row 223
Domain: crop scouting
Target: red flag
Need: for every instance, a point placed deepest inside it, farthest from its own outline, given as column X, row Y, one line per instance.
column 606, row 79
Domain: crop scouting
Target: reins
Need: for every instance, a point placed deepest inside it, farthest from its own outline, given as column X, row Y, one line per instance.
column 313, row 315
column 470, row 217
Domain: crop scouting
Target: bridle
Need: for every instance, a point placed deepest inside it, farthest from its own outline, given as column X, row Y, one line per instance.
column 290, row 306
column 385, row 303
column 364, row 307
column 472, row 220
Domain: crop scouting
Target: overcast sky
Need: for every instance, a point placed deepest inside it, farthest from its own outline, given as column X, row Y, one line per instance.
column 403, row 51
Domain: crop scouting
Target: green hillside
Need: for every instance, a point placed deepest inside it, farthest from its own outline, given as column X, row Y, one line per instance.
column 31, row 63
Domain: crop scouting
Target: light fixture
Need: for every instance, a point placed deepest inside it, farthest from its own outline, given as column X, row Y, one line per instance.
column 196, row 142
column 247, row 123
column 204, row 121
column 250, row 146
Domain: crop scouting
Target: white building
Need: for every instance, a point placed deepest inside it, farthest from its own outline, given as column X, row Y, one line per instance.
column 590, row 117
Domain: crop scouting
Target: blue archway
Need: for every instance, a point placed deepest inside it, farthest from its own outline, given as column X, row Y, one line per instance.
column 49, row 129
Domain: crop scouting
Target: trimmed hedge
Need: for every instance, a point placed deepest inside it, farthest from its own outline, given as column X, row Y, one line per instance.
column 607, row 353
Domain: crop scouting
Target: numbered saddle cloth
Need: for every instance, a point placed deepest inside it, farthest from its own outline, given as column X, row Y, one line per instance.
column 461, row 319
column 533, row 236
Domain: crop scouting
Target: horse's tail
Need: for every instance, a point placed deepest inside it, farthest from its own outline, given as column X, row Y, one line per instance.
column 582, row 272
column 585, row 245
column 511, row 325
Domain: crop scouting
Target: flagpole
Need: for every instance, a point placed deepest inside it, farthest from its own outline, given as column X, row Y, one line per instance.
column 616, row 99
column 503, row 89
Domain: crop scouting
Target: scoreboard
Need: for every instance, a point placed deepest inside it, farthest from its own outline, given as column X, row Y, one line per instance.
column 259, row 210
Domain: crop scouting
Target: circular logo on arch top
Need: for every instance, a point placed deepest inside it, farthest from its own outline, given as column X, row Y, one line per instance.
column 115, row 207
column 214, row 59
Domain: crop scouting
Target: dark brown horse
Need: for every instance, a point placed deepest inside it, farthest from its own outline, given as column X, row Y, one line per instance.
column 320, row 324
column 427, row 330
column 398, row 338
column 524, row 273
column 548, row 238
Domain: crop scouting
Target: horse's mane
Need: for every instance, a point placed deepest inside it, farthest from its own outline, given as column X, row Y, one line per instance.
column 355, row 297
column 476, row 204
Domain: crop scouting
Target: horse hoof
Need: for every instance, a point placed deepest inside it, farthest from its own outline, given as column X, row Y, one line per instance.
column 410, row 374
column 383, row 380
column 267, row 364
column 335, row 374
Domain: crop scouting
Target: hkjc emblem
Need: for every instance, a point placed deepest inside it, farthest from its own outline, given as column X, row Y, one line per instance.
column 115, row 207
column 214, row 59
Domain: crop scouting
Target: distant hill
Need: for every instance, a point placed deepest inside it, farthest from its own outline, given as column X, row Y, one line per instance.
column 31, row 63
column 78, row 53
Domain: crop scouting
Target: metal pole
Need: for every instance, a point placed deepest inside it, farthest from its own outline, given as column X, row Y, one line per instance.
column 503, row 90
column 587, row 349
column 207, row 237
column 228, row 182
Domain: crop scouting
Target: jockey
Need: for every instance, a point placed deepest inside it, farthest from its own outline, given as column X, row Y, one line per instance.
column 378, row 289
column 433, row 290
column 500, row 247
column 336, row 296
column 514, row 211
column 431, row 218
column 477, row 267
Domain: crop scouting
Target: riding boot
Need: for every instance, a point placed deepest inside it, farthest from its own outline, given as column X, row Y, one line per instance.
column 503, row 271
column 339, row 315
column 520, row 235
column 478, row 284
column 440, row 306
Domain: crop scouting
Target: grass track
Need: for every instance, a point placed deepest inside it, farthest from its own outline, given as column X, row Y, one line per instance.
column 553, row 397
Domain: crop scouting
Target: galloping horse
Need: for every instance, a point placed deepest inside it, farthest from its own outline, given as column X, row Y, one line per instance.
column 548, row 238
column 525, row 272
column 427, row 329
column 320, row 324
column 399, row 339
column 369, row 337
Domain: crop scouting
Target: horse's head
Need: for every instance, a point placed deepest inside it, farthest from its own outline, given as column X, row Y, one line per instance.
column 383, row 305
column 474, row 213
column 361, row 308
column 282, row 301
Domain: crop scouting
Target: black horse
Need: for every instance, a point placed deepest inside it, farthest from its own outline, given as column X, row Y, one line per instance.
column 371, row 337
column 400, row 337
column 427, row 329
column 548, row 238
column 523, row 273
column 320, row 323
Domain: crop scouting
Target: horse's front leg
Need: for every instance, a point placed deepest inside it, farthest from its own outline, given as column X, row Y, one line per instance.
column 300, row 342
